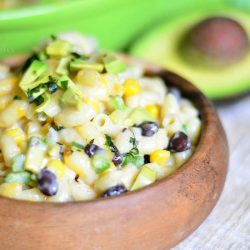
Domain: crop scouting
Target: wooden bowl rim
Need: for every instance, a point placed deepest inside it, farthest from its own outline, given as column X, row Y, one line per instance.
column 206, row 110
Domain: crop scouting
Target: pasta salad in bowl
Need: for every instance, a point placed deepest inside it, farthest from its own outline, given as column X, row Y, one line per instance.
column 78, row 124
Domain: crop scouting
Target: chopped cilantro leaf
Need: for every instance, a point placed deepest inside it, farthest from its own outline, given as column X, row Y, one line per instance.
column 110, row 143
column 17, row 97
column 58, row 127
column 39, row 100
column 77, row 145
column 133, row 155
column 64, row 84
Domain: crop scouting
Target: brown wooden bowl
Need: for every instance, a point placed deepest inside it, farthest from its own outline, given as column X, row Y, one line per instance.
column 156, row 217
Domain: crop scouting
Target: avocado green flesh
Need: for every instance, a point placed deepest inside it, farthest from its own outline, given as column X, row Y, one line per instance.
column 162, row 47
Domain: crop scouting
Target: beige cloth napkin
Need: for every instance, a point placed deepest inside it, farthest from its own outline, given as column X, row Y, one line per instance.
column 228, row 226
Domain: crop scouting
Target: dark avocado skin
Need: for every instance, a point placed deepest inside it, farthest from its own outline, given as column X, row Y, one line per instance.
column 166, row 46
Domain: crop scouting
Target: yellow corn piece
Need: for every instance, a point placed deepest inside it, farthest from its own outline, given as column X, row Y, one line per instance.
column 45, row 128
column 131, row 87
column 153, row 109
column 10, row 189
column 57, row 167
column 18, row 135
column 7, row 85
column 103, row 82
column 117, row 89
column 94, row 104
column 160, row 157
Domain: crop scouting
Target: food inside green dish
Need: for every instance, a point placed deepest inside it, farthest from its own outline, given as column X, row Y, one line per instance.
column 212, row 50
column 77, row 126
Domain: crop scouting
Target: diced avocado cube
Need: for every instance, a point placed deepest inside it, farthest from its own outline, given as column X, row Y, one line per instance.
column 42, row 56
column 62, row 68
column 78, row 64
column 34, row 93
column 138, row 115
column 35, row 70
column 146, row 177
column 46, row 99
column 113, row 65
column 35, row 154
column 118, row 116
column 59, row 48
column 19, row 177
column 100, row 163
column 18, row 163
column 116, row 102
column 66, row 83
column 70, row 98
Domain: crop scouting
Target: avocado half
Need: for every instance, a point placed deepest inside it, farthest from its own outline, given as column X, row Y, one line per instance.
column 162, row 46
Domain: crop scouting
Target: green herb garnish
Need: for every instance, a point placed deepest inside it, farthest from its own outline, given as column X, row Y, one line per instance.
column 64, row 84
column 17, row 97
column 110, row 144
column 133, row 155
column 39, row 100
column 58, row 127
column 136, row 160
column 134, row 150
column 77, row 145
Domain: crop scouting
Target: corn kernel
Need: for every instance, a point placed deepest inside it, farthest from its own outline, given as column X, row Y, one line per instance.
column 131, row 87
column 57, row 167
column 45, row 128
column 17, row 134
column 10, row 189
column 94, row 104
column 160, row 157
column 21, row 111
column 103, row 82
column 153, row 109
column 117, row 89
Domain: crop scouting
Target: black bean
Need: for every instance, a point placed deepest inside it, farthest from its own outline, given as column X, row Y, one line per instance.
column 47, row 182
column 146, row 159
column 114, row 191
column 117, row 159
column 52, row 86
column 91, row 149
column 179, row 142
column 149, row 128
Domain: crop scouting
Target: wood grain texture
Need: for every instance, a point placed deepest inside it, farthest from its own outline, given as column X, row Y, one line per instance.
column 228, row 226
column 155, row 218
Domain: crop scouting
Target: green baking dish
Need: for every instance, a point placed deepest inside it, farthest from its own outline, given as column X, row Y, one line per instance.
column 114, row 23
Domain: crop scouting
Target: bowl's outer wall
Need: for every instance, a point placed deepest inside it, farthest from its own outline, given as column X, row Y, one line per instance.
column 155, row 218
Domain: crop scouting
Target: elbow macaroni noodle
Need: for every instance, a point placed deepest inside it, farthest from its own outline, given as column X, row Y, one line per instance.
column 95, row 135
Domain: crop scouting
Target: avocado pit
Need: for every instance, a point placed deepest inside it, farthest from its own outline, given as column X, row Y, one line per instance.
column 217, row 41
